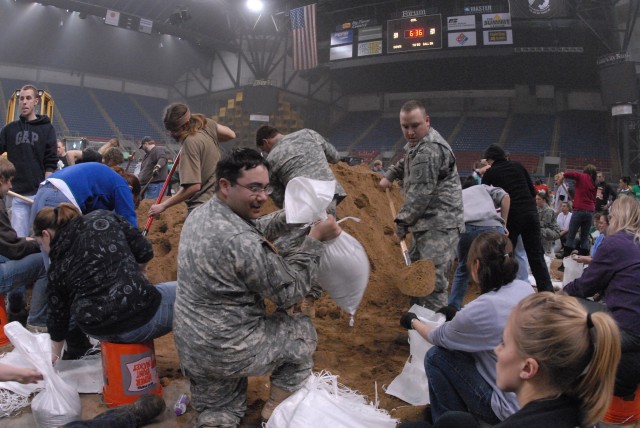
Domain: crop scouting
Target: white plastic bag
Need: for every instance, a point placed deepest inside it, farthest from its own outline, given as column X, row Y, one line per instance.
column 572, row 270
column 411, row 385
column 324, row 403
column 306, row 200
column 344, row 271
column 59, row 403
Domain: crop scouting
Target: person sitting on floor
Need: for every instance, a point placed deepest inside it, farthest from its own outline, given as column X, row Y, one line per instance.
column 614, row 273
column 558, row 359
column 461, row 366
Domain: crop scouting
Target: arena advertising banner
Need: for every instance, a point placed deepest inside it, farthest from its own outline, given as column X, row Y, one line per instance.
column 462, row 22
column 496, row 20
column 370, row 48
column 497, row 37
column 341, row 37
column 462, row 38
column 541, row 9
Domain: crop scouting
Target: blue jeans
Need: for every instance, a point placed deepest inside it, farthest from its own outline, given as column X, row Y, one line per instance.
column 21, row 273
column 523, row 263
column 48, row 196
column 159, row 325
column 461, row 277
column 582, row 220
column 455, row 384
column 153, row 190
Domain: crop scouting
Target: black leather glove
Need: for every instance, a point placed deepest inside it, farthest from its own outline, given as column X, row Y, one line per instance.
column 406, row 319
column 448, row 311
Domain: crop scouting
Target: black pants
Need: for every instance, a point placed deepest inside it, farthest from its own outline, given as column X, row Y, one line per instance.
column 628, row 375
column 527, row 225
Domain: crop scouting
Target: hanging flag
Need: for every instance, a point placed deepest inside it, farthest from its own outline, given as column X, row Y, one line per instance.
column 303, row 28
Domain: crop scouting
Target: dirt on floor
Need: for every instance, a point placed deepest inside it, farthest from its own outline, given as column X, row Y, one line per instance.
column 370, row 353
column 366, row 357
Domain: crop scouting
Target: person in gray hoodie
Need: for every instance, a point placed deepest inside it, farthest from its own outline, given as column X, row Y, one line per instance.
column 481, row 203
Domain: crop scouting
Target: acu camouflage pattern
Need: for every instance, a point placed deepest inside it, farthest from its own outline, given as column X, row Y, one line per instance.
column 549, row 227
column 432, row 210
column 432, row 191
column 226, row 267
column 303, row 153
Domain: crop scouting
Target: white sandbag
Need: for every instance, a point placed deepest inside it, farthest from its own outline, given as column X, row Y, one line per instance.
column 306, row 200
column 572, row 270
column 324, row 403
column 344, row 265
column 411, row 384
column 344, row 271
column 59, row 403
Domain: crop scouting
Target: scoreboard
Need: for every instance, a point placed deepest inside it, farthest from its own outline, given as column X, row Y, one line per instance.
column 416, row 33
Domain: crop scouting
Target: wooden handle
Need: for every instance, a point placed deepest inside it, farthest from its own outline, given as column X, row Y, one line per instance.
column 24, row 198
column 391, row 205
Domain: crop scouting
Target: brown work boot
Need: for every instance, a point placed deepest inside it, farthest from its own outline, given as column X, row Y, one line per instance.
column 308, row 307
column 276, row 397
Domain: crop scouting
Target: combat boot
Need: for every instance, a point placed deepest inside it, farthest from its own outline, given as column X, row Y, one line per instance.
column 146, row 408
column 308, row 307
column 276, row 397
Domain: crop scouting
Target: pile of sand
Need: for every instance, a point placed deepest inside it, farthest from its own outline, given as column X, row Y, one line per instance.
column 374, row 350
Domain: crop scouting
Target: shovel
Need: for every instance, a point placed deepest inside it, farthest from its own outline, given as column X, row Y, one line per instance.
column 403, row 244
column 16, row 195
column 417, row 279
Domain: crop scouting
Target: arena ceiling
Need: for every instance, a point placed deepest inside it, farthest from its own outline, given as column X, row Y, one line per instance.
column 218, row 25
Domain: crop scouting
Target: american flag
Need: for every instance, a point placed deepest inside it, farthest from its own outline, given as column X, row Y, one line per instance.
column 303, row 27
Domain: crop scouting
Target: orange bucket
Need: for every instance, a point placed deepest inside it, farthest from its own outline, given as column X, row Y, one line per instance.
column 624, row 412
column 129, row 371
column 4, row 340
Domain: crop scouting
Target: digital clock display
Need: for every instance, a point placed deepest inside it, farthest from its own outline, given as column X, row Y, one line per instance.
column 413, row 33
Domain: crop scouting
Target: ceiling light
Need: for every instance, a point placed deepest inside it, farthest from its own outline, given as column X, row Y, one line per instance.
column 255, row 5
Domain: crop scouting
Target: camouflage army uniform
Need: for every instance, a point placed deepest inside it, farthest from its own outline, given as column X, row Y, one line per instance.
column 432, row 209
column 549, row 228
column 221, row 330
column 303, row 153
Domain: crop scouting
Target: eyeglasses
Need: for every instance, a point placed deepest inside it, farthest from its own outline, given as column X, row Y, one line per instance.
column 256, row 189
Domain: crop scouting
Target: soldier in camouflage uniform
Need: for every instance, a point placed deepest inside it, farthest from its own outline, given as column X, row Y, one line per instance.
column 304, row 153
column 432, row 209
column 227, row 266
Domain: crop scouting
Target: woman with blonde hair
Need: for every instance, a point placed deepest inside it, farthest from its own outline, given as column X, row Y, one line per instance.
column 461, row 367
column 558, row 359
column 614, row 272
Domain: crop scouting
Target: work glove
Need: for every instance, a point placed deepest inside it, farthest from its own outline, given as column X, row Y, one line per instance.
column 448, row 311
column 406, row 319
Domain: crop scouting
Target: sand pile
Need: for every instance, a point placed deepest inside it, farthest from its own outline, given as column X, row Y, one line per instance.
column 374, row 349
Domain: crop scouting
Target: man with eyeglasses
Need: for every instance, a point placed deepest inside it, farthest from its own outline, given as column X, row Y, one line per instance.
column 303, row 153
column 227, row 266
column 200, row 138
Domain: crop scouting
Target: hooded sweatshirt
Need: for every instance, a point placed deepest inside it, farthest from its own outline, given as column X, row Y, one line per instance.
column 31, row 147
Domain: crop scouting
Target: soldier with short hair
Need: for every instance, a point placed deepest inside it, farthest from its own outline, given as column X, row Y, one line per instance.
column 227, row 266
column 304, row 153
column 433, row 208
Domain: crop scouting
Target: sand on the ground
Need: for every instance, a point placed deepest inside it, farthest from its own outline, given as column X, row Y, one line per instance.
column 367, row 356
